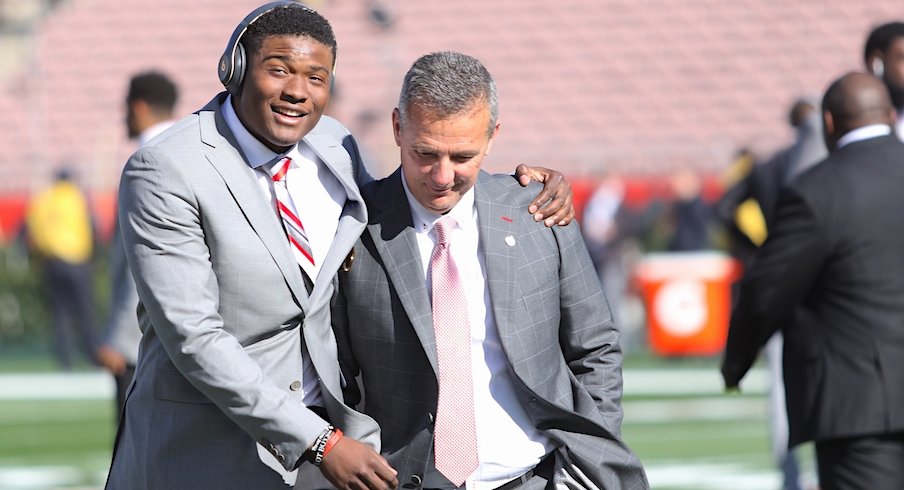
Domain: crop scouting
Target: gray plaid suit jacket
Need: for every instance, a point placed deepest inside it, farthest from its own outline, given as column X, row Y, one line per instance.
column 553, row 321
column 223, row 308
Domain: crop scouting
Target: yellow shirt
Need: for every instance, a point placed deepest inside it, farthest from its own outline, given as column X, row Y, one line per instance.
column 59, row 225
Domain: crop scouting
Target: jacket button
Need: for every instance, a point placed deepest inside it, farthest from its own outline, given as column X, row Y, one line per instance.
column 295, row 386
column 416, row 479
column 430, row 417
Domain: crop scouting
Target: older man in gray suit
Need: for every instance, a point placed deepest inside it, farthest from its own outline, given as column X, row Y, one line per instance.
column 485, row 347
column 235, row 221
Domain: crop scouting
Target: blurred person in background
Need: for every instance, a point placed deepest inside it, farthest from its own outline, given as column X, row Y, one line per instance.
column 612, row 231
column 509, row 374
column 235, row 221
column 150, row 102
column 60, row 231
column 757, row 195
column 690, row 216
column 884, row 58
column 830, row 276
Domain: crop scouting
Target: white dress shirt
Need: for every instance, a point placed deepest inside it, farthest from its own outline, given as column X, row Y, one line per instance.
column 863, row 133
column 152, row 131
column 312, row 187
column 508, row 443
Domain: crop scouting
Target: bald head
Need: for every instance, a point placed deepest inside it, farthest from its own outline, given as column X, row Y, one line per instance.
column 853, row 101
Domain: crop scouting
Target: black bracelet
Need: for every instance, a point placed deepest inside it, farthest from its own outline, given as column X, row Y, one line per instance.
column 320, row 444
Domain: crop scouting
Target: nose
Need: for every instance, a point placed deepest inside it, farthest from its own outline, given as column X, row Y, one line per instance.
column 443, row 173
column 296, row 89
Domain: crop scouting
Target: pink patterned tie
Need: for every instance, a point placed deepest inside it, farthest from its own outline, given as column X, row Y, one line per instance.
column 455, row 432
column 298, row 238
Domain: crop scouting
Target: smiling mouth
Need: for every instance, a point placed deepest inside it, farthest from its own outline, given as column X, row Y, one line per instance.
column 289, row 112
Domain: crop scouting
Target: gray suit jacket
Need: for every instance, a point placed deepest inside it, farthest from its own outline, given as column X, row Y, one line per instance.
column 223, row 311
column 552, row 317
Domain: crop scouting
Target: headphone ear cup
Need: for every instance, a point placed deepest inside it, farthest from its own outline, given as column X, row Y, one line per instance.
column 238, row 71
column 878, row 67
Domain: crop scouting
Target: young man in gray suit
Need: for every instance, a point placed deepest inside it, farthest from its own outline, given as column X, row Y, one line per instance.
column 485, row 347
column 238, row 383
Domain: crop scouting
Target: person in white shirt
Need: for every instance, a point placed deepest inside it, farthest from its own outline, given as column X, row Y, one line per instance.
column 485, row 346
column 150, row 103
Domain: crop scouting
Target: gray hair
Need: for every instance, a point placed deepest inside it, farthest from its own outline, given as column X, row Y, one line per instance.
column 447, row 84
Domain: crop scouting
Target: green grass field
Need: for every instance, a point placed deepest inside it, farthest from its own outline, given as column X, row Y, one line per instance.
column 697, row 440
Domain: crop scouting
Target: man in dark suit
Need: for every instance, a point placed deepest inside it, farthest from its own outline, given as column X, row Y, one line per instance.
column 831, row 274
column 509, row 377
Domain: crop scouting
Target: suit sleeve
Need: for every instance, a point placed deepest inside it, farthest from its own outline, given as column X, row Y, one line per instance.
column 588, row 336
column 172, row 266
column 777, row 282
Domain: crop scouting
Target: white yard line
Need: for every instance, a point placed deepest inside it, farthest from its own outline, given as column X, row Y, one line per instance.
column 638, row 382
column 57, row 386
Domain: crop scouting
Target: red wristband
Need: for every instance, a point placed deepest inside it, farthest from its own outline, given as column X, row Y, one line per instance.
column 337, row 434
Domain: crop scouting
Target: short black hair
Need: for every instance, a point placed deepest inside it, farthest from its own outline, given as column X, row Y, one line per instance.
column 881, row 37
column 155, row 88
column 289, row 20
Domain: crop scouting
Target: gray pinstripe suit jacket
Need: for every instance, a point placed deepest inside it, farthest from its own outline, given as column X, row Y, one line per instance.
column 553, row 321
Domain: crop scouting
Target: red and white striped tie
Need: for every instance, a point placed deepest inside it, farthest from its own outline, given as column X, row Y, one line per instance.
column 298, row 238
column 455, row 432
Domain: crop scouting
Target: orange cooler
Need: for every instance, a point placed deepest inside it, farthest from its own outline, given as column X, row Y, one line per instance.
column 688, row 301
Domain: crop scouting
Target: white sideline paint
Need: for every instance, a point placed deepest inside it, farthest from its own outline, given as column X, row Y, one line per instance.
column 57, row 386
column 638, row 382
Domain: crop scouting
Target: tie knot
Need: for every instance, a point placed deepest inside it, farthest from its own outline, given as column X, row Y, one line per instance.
column 280, row 168
column 444, row 226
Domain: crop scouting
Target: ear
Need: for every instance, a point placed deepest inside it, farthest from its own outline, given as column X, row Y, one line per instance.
column 140, row 108
column 829, row 123
column 877, row 66
column 397, row 126
column 492, row 138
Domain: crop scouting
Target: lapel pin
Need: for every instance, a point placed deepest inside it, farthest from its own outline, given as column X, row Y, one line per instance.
column 510, row 240
column 506, row 219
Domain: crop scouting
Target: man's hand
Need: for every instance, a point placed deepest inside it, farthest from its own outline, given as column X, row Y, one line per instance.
column 351, row 465
column 554, row 203
column 111, row 360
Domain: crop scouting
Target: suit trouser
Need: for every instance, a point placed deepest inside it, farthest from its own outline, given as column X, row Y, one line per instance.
column 862, row 463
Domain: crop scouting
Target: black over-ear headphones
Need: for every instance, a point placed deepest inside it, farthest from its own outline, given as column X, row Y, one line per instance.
column 232, row 64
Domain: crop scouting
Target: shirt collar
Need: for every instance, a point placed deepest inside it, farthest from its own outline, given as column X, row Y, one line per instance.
column 860, row 134
column 424, row 219
column 152, row 131
column 256, row 153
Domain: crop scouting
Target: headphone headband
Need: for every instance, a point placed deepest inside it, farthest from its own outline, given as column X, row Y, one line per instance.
column 231, row 69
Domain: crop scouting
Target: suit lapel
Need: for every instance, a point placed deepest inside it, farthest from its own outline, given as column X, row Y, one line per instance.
column 499, row 244
column 351, row 222
column 394, row 237
column 242, row 183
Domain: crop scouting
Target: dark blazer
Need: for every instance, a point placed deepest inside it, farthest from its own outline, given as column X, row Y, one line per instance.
column 553, row 322
column 832, row 273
